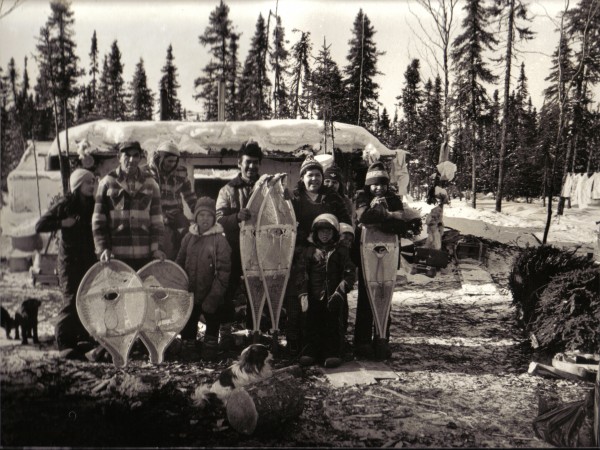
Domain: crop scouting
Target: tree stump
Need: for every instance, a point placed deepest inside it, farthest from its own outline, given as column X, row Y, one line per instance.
column 266, row 404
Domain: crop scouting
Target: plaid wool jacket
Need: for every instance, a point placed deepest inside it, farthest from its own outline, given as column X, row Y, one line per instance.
column 172, row 187
column 127, row 221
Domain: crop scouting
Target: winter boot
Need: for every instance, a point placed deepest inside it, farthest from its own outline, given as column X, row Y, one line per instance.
column 333, row 362
column 382, row 349
column 210, row 348
column 227, row 340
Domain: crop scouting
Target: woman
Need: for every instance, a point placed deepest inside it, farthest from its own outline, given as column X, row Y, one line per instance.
column 310, row 199
column 72, row 216
column 332, row 178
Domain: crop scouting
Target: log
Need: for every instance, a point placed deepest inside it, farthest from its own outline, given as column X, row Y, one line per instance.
column 267, row 404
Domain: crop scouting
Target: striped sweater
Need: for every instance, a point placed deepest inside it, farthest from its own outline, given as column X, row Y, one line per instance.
column 173, row 186
column 127, row 217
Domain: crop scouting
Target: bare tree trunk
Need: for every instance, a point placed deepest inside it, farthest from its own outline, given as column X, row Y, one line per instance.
column 506, row 113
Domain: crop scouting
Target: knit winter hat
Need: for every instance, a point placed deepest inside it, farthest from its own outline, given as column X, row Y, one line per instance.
column 310, row 163
column 333, row 172
column 326, row 220
column 129, row 145
column 376, row 174
column 345, row 228
column 205, row 204
column 168, row 147
column 78, row 177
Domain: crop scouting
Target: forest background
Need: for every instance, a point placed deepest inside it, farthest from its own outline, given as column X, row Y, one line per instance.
column 511, row 84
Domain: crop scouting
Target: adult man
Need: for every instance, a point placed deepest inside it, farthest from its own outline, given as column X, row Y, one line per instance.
column 174, row 184
column 127, row 223
column 231, row 210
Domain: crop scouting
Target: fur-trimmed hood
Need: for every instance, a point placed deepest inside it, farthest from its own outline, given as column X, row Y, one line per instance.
column 215, row 229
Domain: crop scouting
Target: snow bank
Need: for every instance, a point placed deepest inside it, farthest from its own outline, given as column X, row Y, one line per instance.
column 519, row 221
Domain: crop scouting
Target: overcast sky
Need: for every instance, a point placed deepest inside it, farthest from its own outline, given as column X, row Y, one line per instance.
column 144, row 29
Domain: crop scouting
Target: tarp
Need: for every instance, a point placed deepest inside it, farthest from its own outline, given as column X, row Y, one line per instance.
column 202, row 138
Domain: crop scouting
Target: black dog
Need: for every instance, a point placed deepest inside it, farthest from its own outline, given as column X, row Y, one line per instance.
column 7, row 322
column 27, row 318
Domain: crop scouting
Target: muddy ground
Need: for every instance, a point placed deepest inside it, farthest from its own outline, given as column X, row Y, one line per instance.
column 460, row 380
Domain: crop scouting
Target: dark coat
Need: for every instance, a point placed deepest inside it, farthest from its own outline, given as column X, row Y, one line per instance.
column 326, row 271
column 206, row 259
column 76, row 246
column 307, row 210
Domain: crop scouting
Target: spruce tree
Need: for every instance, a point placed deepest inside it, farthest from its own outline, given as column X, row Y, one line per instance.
column 327, row 85
column 221, row 40
column 411, row 99
column 279, row 62
column 170, row 107
column 103, row 97
column 361, row 89
column 234, row 67
column 432, row 118
column 471, row 74
column 58, row 70
column 94, row 71
column 115, row 93
column 254, row 83
column 300, row 78
column 142, row 99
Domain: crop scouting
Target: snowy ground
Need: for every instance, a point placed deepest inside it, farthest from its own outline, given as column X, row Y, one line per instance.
column 460, row 367
column 519, row 220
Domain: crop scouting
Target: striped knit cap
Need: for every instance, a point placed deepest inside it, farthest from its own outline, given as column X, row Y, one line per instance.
column 377, row 174
column 310, row 163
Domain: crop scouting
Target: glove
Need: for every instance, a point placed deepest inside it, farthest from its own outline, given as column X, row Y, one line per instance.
column 159, row 254
column 304, row 302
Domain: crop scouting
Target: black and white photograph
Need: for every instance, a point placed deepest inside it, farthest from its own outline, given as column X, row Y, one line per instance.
column 300, row 223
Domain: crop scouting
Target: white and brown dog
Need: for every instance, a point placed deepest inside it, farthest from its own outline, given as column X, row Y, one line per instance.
column 253, row 365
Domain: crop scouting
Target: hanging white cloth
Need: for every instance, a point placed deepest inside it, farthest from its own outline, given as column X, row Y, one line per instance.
column 566, row 190
column 576, row 189
column 447, row 170
column 596, row 187
column 399, row 172
column 585, row 191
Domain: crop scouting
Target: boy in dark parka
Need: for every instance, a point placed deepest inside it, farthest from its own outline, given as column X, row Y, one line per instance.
column 329, row 275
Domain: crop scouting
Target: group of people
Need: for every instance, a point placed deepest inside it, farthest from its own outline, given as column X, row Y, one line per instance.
column 136, row 214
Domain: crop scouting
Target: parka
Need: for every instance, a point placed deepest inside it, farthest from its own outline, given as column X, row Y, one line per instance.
column 76, row 244
column 206, row 259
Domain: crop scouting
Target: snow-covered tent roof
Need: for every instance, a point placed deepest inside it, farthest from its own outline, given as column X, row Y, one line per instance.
column 286, row 136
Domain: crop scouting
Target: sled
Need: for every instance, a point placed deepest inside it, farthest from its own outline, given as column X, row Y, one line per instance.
column 428, row 261
column 111, row 303
column 379, row 255
column 169, row 306
column 252, row 276
column 275, row 241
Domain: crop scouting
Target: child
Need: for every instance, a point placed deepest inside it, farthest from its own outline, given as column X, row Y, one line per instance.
column 329, row 275
column 205, row 256
column 376, row 206
column 346, row 240
column 346, row 235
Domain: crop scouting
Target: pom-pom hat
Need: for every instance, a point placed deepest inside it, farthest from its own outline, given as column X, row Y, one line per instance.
column 376, row 174
column 310, row 163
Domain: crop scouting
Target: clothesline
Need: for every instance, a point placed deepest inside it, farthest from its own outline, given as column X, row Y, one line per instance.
column 581, row 188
